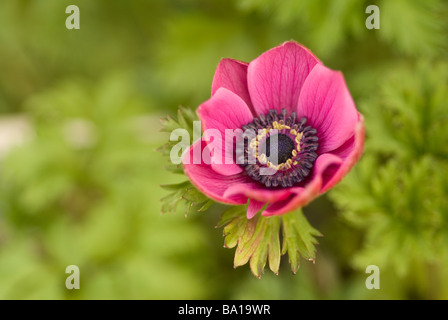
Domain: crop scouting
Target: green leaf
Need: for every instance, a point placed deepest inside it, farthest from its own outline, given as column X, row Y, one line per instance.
column 184, row 120
column 184, row 194
column 298, row 239
column 258, row 240
column 420, row 29
column 407, row 117
column 396, row 195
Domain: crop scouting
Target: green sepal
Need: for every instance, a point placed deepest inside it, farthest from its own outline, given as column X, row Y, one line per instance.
column 184, row 120
column 184, row 194
column 257, row 240
column 298, row 239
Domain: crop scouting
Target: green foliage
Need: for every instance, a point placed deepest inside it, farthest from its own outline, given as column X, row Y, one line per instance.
column 397, row 194
column 258, row 240
column 85, row 187
column 84, row 191
column 183, row 193
column 412, row 119
column 185, row 122
column 415, row 28
column 298, row 239
column 186, row 194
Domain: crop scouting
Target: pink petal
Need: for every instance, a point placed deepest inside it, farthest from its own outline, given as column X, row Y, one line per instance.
column 328, row 170
column 309, row 192
column 288, row 198
column 232, row 74
column 350, row 155
column 224, row 110
column 329, row 107
column 206, row 180
column 253, row 208
column 275, row 78
column 259, row 192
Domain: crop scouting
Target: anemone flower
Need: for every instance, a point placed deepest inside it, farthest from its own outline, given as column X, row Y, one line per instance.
column 286, row 94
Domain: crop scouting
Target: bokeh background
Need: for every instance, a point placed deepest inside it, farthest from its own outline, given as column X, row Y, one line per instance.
column 79, row 123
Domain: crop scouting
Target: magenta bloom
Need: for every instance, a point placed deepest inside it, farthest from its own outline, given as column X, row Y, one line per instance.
column 320, row 133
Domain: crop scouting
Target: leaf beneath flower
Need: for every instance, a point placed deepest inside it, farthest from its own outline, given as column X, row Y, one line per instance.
column 182, row 194
column 258, row 240
column 298, row 239
column 184, row 120
column 186, row 195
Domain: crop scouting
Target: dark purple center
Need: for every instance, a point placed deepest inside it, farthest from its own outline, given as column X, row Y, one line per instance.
column 279, row 150
column 282, row 150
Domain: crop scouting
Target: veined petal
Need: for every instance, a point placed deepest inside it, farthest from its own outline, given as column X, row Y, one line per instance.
column 329, row 107
column 253, row 208
column 224, row 111
column 275, row 78
column 232, row 75
column 328, row 170
column 311, row 190
column 350, row 153
column 286, row 77
column 206, row 180
column 259, row 192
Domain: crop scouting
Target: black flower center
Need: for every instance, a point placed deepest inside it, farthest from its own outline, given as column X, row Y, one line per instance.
column 277, row 150
column 282, row 148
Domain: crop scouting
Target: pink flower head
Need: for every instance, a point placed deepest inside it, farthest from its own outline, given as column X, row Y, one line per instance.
column 319, row 133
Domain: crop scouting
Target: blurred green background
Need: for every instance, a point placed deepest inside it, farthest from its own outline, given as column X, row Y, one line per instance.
column 79, row 123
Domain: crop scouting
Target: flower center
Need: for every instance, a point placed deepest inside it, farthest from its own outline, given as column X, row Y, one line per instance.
column 277, row 150
column 282, row 148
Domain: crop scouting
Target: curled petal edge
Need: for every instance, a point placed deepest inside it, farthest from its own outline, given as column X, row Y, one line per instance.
column 317, row 185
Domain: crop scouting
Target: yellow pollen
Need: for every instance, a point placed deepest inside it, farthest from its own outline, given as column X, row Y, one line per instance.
column 280, row 126
column 298, row 139
column 253, row 144
column 261, row 134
